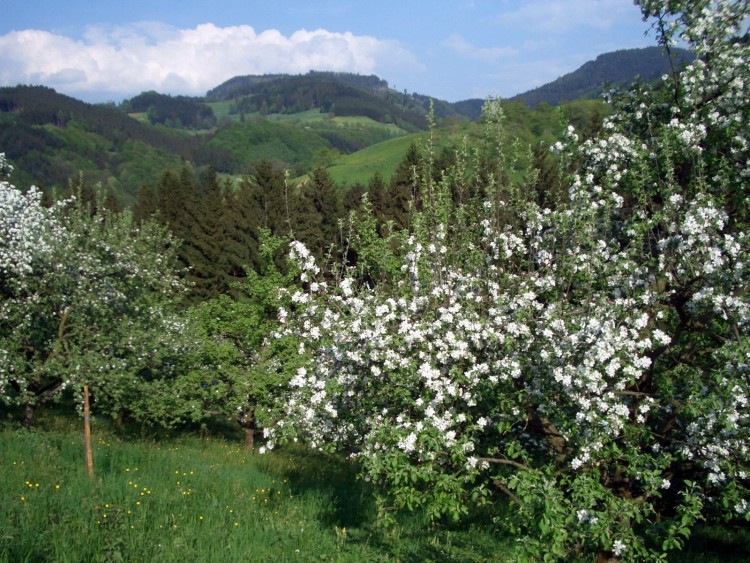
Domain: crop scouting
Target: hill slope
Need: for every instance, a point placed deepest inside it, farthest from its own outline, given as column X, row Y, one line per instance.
column 51, row 138
column 300, row 122
column 618, row 68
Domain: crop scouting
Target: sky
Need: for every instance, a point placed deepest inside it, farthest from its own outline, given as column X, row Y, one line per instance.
column 108, row 50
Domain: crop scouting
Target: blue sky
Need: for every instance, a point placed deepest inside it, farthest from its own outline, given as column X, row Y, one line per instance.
column 106, row 50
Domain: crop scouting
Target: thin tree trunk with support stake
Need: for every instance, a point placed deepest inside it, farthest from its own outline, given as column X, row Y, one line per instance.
column 87, row 433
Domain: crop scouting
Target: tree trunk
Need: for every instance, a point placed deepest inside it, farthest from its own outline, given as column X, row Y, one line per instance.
column 28, row 415
column 249, row 438
column 247, row 421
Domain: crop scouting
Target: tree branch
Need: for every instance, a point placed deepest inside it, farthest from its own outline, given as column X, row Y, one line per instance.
column 500, row 485
column 512, row 463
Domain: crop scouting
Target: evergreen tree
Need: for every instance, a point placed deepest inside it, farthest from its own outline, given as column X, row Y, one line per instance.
column 403, row 191
column 376, row 191
column 268, row 193
column 146, row 204
column 353, row 197
column 205, row 249
column 321, row 194
column 242, row 220
column 176, row 198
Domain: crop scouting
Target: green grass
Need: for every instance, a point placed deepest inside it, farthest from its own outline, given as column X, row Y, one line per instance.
column 199, row 498
column 382, row 157
column 193, row 498
column 307, row 116
column 221, row 110
column 140, row 116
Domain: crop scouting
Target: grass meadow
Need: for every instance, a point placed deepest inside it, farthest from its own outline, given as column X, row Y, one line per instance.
column 199, row 498
column 202, row 497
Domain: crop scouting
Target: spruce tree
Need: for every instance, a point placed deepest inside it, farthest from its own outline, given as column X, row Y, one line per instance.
column 268, row 193
column 146, row 204
column 205, row 250
column 403, row 191
column 241, row 218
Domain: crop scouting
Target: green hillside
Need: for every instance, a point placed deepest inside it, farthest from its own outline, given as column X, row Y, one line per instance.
column 257, row 139
column 295, row 94
column 615, row 69
column 382, row 158
column 526, row 126
column 51, row 138
column 172, row 111
column 354, row 125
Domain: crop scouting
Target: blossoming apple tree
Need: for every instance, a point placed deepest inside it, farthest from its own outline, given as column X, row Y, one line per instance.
column 85, row 299
column 588, row 362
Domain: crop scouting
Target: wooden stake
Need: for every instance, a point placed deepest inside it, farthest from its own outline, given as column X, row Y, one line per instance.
column 87, row 433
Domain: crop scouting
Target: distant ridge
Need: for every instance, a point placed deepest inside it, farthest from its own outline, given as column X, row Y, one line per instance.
column 297, row 121
column 616, row 69
column 340, row 93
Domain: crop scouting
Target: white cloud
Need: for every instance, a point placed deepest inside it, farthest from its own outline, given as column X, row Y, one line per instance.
column 129, row 59
column 459, row 45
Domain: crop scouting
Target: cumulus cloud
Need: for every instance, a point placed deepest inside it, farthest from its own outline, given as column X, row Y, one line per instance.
column 151, row 56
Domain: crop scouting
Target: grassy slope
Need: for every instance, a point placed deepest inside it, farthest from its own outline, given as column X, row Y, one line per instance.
column 528, row 126
column 221, row 111
column 383, row 157
column 298, row 141
column 200, row 499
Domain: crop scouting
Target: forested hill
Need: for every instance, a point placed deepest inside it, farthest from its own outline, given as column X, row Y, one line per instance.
column 297, row 121
column 240, row 86
column 52, row 137
column 339, row 93
column 616, row 69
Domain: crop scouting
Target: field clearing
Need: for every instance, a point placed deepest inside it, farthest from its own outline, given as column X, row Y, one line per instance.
column 382, row 157
column 221, row 111
column 140, row 116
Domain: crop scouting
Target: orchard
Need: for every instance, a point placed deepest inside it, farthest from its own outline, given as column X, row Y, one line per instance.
column 574, row 362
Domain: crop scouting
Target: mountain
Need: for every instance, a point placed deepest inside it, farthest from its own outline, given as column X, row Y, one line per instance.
column 615, row 69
